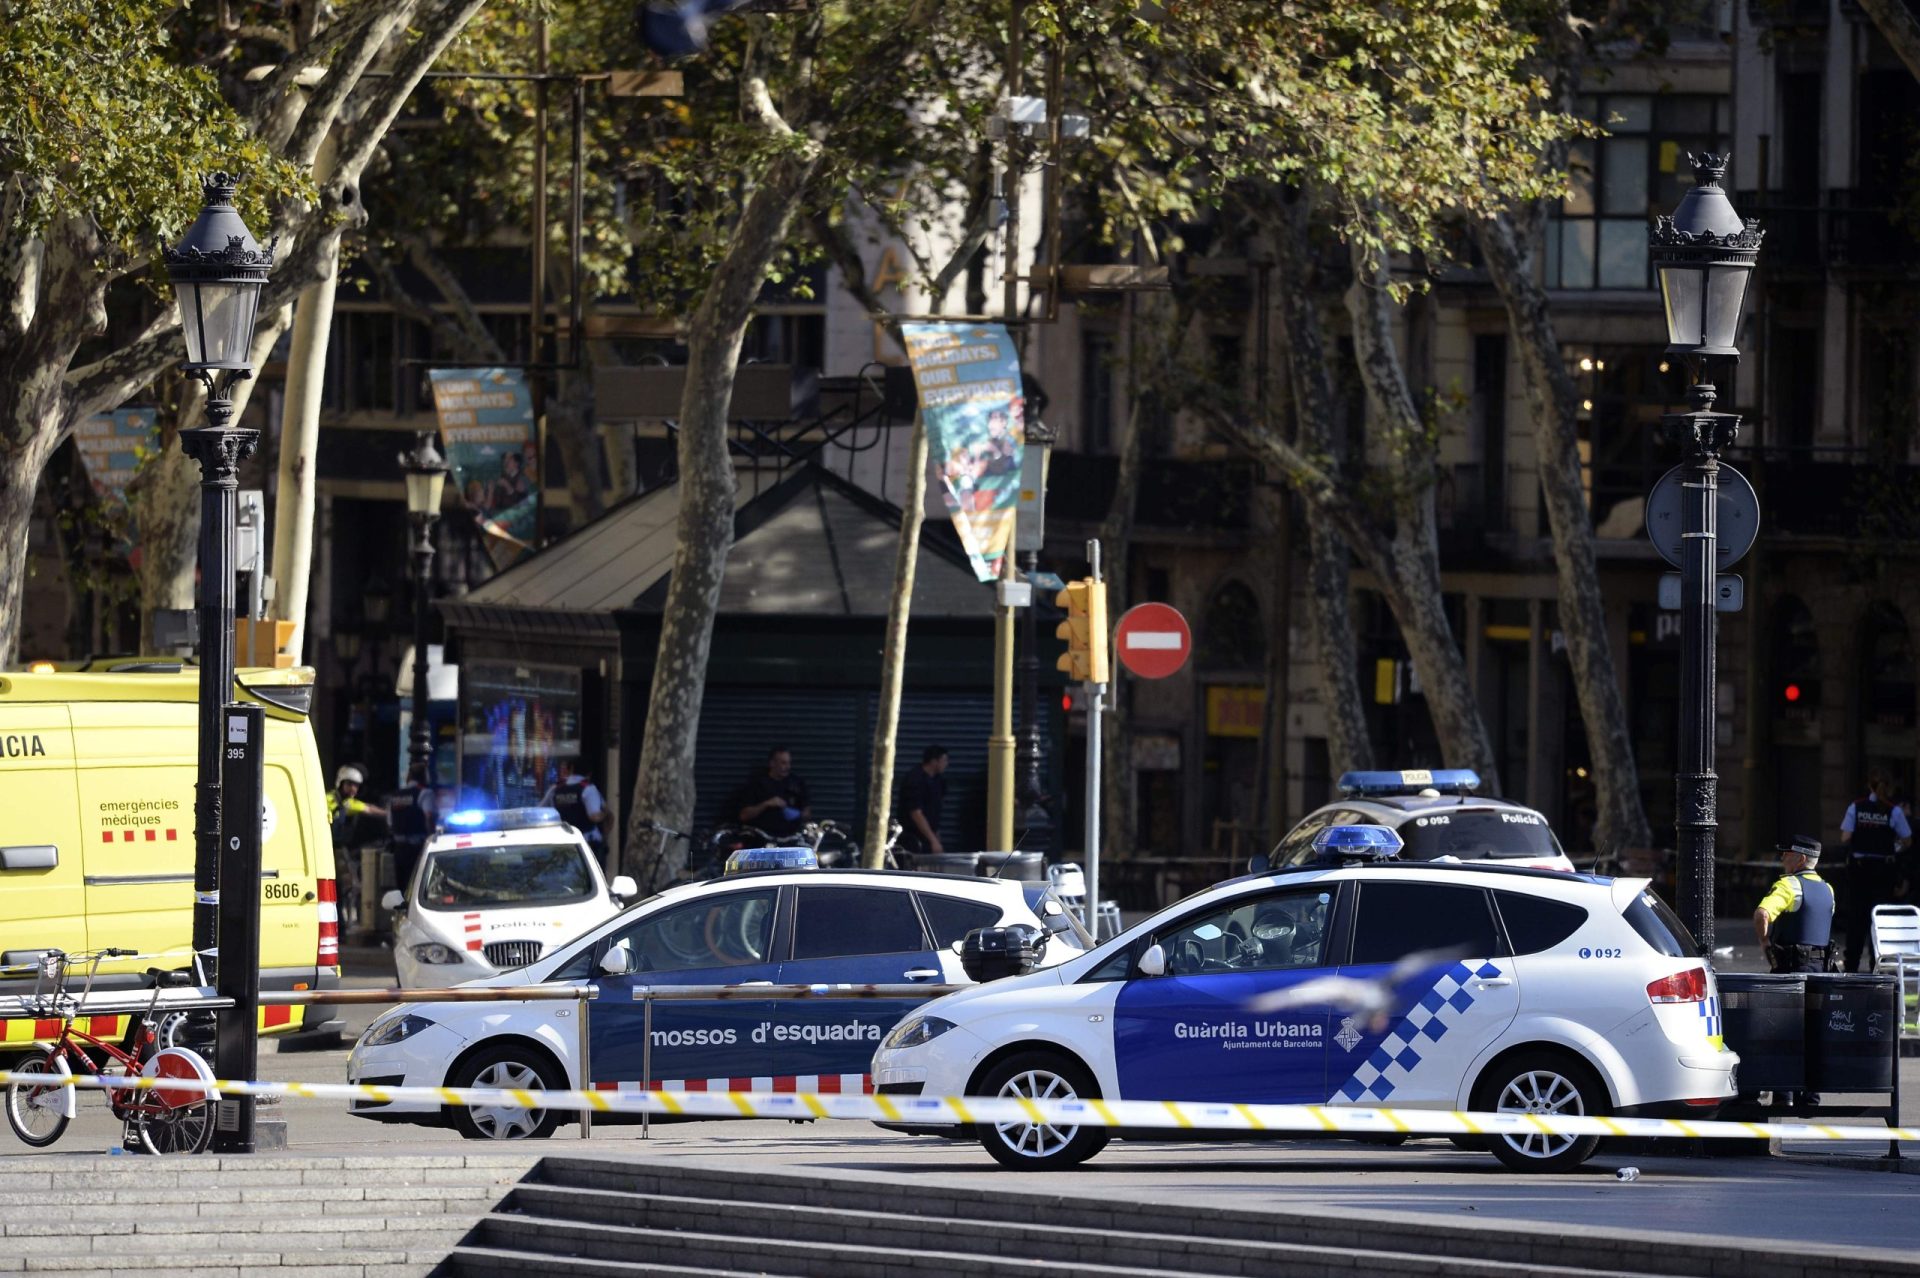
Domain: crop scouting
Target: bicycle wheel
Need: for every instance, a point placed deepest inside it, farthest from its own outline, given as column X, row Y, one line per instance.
column 175, row 1120
column 39, row 1112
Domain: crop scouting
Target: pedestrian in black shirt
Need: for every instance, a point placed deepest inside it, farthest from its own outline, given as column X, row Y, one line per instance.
column 922, row 791
column 776, row 800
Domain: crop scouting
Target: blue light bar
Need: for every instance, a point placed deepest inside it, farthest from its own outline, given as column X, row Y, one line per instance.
column 1410, row 781
column 1367, row 842
column 471, row 820
column 747, row 860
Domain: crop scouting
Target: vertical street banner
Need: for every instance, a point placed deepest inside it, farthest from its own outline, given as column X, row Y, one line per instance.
column 112, row 446
column 488, row 432
column 970, row 398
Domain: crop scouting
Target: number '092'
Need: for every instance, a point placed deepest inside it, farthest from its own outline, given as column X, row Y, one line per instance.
column 1604, row 952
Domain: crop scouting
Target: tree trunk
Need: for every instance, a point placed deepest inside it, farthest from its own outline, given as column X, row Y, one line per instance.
column 893, row 668
column 299, row 474
column 1899, row 27
column 1552, row 401
column 663, row 789
column 1329, row 597
column 1410, row 574
column 19, row 481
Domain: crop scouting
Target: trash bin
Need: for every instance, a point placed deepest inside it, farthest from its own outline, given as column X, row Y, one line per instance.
column 1026, row 867
column 1853, row 1027
column 947, row 862
column 1764, row 1017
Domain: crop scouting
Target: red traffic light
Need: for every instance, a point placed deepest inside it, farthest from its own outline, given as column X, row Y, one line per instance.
column 1792, row 692
column 1066, row 701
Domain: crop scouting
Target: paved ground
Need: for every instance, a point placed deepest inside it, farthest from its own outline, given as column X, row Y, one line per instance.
column 1744, row 1197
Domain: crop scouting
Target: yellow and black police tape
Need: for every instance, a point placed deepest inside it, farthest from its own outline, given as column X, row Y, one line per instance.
column 934, row 1110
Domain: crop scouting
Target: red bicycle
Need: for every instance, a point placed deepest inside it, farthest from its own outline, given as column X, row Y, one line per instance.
column 159, row 1120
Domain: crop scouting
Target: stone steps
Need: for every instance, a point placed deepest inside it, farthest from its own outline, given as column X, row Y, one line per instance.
column 327, row 1217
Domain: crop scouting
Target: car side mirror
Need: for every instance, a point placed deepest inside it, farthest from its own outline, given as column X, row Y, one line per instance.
column 1259, row 863
column 394, row 899
column 617, row 961
column 1153, row 962
column 624, row 888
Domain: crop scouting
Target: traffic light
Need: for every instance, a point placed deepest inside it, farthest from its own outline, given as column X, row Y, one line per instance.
column 1085, row 630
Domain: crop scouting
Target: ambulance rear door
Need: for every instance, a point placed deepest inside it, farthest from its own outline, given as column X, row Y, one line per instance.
column 42, row 903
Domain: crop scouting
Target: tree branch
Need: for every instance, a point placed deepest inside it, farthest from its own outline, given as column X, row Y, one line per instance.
column 438, row 30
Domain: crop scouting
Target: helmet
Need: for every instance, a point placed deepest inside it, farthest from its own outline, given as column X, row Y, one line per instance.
column 348, row 772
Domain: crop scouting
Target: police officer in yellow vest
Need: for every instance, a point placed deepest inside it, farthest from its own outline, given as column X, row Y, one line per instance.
column 1795, row 918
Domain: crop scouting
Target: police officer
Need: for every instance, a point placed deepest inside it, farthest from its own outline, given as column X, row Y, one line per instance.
column 1795, row 918
column 578, row 801
column 410, row 814
column 1874, row 832
column 345, row 807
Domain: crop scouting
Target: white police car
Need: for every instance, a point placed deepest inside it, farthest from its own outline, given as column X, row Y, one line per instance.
column 1560, row 993
column 1435, row 814
column 494, row 891
column 775, row 927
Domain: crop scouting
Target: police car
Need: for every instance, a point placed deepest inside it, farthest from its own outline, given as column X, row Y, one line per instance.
column 495, row 891
column 1435, row 814
column 1540, row 992
column 804, row 926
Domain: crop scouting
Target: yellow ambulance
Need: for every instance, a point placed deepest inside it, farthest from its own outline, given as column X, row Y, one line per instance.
column 96, row 826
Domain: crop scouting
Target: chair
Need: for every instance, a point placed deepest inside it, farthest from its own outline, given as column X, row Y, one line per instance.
column 1895, row 934
column 1070, row 885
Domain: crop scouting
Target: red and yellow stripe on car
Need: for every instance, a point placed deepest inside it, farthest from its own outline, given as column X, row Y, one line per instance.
column 108, row 1029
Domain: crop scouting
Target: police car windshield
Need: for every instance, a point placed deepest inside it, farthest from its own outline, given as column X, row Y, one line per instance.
column 1473, row 834
column 511, row 877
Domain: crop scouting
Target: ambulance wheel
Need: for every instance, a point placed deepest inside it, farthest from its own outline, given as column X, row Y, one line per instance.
column 508, row 1066
column 1549, row 1084
column 1039, row 1146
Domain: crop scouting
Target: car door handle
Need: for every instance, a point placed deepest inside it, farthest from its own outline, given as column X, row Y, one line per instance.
column 1493, row 981
column 922, row 973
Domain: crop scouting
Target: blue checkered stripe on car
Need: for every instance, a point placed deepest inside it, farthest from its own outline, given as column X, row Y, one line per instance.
column 1415, row 1034
column 1710, row 1009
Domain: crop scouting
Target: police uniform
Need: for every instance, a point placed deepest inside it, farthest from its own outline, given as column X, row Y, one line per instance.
column 409, row 814
column 577, row 800
column 1799, row 909
column 1876, row 828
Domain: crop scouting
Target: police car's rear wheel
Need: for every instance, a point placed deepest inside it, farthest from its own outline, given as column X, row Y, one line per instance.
column 512, row 1067
column 1547, row 1084
column 1039, row 1076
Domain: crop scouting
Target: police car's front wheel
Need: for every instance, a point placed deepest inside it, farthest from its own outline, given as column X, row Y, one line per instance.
column 509, row 1067
column 1039, row 1076
column 1549, row 1085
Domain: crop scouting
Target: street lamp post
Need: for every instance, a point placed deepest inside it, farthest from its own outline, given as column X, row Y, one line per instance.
column 1704, row 255
column 426, row 474
column 217, row 271
column 1034, row 817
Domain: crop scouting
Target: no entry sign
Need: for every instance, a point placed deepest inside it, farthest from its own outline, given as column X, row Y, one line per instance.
column 1153, row 640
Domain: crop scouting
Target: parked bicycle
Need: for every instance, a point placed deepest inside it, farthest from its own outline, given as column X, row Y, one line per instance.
column 161, row 1120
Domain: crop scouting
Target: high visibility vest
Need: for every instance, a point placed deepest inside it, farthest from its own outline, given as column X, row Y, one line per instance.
column 1810, row 920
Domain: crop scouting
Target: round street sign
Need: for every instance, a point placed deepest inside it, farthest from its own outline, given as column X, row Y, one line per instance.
column 1152, row 640
column 1736, row 524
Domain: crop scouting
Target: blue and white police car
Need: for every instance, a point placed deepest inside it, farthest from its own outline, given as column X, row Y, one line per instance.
column 1559, row 994
column 1436, row 813
column 794, row 926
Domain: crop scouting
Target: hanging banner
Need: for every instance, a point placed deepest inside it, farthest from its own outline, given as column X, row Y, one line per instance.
column 112, row 446
column 487, row 430
column 970, row 397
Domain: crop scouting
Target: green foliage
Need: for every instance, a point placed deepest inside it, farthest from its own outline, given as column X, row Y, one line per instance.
column 101, row 117
column 1400, row 116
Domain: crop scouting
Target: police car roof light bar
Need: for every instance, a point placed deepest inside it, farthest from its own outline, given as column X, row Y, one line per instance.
column 1357, row 843
column 477, row 819
column 1409, row 781
column 748, row 860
